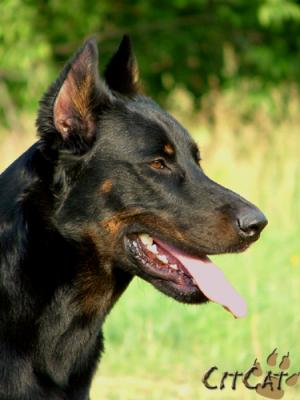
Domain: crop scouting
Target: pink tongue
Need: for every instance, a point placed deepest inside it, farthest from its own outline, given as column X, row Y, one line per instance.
column 211, row 281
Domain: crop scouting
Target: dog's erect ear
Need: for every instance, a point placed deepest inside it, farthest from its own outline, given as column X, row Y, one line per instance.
column 70, row 108
column 121, row 73
column 73, row 108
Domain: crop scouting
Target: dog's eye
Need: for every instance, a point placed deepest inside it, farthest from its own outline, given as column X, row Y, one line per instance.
column 158, row 164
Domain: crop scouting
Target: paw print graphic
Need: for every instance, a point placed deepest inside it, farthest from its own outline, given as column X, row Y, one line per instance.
column 272, row 385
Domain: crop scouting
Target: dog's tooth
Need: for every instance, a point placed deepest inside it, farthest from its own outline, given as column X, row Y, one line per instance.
column 146, row 239
column 173, row 266
column 194, row 282
column 153, row 249
column 163, row 259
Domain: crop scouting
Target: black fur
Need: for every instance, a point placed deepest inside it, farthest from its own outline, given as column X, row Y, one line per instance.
column 68, row 207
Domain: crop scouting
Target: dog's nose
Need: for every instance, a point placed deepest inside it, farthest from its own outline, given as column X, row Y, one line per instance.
column 251, row 223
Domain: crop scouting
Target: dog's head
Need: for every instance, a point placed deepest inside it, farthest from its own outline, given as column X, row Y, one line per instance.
column 128, row 176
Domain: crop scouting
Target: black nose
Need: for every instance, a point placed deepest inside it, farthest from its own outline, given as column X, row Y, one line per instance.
column 251, row 223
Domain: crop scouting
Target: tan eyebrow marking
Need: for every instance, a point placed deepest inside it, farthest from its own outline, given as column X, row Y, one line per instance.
column 169, row 149
column 106, row 186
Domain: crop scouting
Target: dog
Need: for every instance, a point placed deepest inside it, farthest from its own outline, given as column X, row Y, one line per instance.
column 112, row 189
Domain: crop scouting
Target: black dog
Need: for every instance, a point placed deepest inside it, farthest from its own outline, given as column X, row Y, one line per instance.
column 112, row 189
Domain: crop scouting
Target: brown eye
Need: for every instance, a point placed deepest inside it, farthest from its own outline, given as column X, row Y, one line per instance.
column 158, row 164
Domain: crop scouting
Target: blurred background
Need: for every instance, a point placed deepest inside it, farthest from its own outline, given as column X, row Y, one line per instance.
column 230, row 72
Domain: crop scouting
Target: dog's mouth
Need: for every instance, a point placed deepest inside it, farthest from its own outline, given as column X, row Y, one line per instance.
column 183, row 272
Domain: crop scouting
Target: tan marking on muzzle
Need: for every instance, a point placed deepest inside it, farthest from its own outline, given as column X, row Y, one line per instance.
column 96, row 282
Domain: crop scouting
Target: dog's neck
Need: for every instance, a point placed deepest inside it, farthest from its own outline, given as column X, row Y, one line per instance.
column 53, row 262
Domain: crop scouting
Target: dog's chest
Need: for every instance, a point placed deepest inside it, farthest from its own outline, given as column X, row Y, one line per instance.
column 66, row 340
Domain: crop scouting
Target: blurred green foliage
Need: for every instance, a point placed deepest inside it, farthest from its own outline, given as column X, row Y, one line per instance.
column 194, row 43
